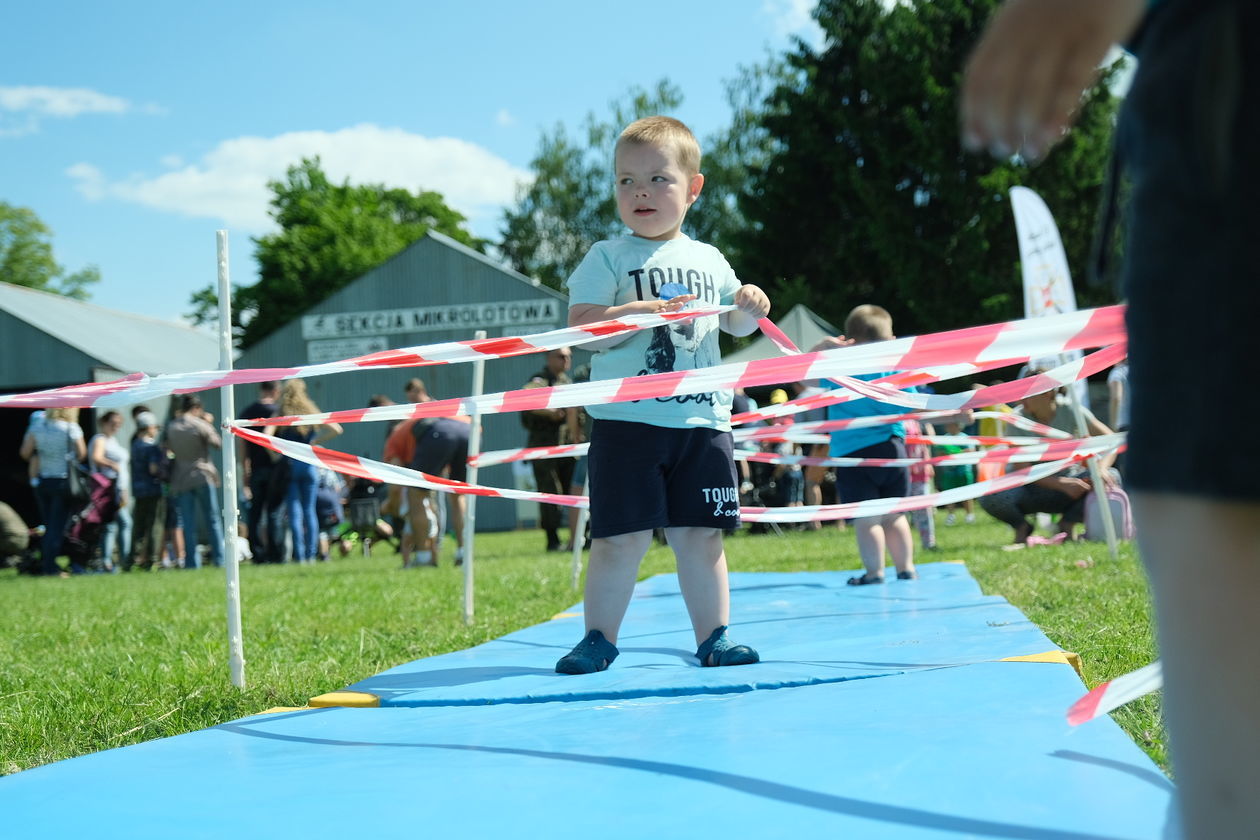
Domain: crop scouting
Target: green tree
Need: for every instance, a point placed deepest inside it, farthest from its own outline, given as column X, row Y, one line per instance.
column 330, row 234
column 26, row 256
column 867, row 195
column 569, row 206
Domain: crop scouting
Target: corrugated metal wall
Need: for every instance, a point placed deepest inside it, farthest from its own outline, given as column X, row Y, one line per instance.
column 432, row 279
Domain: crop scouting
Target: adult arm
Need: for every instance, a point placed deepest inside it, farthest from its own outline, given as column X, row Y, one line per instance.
column 28, row 447
column 327, row 432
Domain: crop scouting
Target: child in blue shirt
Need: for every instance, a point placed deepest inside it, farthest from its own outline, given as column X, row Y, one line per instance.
column 664, row 462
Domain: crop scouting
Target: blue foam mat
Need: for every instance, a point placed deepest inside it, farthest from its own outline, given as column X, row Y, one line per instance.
column 929, row 750
column 809, row 629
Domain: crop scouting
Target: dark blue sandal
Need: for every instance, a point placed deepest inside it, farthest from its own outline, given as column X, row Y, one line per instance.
column 865, row 580
column 719, row 650
column 594, row 653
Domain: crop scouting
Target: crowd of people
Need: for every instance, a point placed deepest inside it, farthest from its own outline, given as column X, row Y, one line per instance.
column 152, row 503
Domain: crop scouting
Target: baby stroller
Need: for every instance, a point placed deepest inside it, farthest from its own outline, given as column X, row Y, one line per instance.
column 86, row 526
column 363, row 510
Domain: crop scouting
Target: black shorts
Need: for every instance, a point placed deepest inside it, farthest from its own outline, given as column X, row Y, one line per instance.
column 645, row 477
column 444, row 444
column 861, row 484
column 1187, row 140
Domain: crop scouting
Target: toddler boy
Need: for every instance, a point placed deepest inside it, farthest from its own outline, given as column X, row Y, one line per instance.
column 664, row 462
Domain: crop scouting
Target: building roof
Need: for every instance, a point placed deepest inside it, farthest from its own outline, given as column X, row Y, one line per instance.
column 801, row 325
column 120, row 340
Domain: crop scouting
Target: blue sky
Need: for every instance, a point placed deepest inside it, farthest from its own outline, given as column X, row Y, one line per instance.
column 135, row 130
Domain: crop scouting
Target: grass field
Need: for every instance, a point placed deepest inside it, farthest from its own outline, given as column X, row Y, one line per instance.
column 102, row 661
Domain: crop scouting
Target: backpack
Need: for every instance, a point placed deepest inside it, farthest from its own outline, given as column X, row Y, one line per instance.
column 1121, row 516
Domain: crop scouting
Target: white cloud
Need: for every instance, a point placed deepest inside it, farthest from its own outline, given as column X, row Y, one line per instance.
column 22, row 108
column 229, row 184
column 504, row 117
column 792, row 17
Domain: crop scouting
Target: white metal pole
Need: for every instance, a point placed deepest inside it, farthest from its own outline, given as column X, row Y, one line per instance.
column 470, row 501
column 1095, row 472
column 579, row 532
column 236, row 642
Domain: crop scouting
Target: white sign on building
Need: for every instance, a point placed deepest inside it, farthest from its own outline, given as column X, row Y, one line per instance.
column 463, row 316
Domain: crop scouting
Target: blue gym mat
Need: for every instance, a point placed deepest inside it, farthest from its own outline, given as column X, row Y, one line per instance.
column 881, row 712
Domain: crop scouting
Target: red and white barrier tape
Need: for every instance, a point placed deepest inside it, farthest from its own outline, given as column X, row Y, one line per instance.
column 138, row 387
column 1010, row 342
column 905, row 504
column 1018, row 450
column 1115, row 693
column 390, row 474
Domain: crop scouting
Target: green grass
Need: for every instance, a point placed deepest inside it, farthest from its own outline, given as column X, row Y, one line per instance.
column 102, row 661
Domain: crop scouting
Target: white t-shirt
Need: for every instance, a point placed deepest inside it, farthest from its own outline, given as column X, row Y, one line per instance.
column 619, row 271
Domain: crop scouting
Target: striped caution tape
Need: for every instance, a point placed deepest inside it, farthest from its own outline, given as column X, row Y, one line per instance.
column 361, row 467
column 138, row 387
column 1115, row 693
column 1046, row 336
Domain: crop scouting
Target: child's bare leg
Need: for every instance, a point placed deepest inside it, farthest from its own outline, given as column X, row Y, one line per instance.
column 610, row 579
column 870, row 540
column 899, row 541
column 418, row 516
column 702, row 577
column 1208, row 625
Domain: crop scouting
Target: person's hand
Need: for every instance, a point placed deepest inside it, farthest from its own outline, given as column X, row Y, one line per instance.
column 1073, row 487
column 752, row 300
column 831, row 342
column 674, row 304
column 1025, row 78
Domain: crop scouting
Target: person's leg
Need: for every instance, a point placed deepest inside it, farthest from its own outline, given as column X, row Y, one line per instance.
column 53, row 504
column 254, row 520
column 548, row 515
column 871, row 542
column 1004, row 506
column 208, row 502
column 143, row 546
column 610, row 579
column 297, row 522
column 421, row 525
column 308, row 487
column 1208, row 625
column 124, row 522
column 186, row 503
column 900, row 543
column 702, row 577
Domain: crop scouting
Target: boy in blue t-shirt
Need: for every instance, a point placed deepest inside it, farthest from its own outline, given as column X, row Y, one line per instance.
column 888, row 532
column 664, row 462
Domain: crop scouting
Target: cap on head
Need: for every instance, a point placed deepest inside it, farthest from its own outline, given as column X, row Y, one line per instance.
column 146, row 420
column 778, row 395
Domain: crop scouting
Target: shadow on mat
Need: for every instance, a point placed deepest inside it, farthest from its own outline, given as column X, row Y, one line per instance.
column 788, row 794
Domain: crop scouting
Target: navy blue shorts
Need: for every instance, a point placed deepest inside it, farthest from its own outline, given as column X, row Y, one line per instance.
column 861, row 484
column 444, row 444
column 645, row 477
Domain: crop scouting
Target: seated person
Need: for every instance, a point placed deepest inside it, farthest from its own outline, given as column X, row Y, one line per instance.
column 1062, row 493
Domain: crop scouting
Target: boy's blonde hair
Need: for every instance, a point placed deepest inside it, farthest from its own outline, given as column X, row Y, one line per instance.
column 867, row 323
column 664, row 131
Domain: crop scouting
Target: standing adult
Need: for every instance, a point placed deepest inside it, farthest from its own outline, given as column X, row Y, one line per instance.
column 441, row 450
column 299, row 498
column 1186, row 136
column 108, row 456
column 400, row 450
column 58, row 443
column 545, row 427
column 194, row 480
column 148, row 472
column 263, row 490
